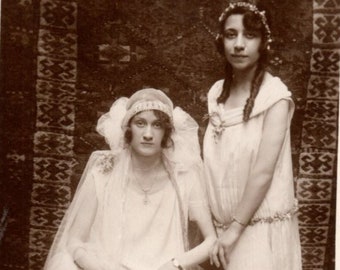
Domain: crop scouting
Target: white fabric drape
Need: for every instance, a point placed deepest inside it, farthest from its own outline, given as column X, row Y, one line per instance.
column 230, row 151
column 100, row 219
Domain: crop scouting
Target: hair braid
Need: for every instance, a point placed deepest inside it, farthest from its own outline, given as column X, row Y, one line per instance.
column 226, row 84
column 255, row 88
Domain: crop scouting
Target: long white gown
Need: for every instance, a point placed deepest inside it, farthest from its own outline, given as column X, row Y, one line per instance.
column 108, row 218
column 272, row 241
column 124, row 232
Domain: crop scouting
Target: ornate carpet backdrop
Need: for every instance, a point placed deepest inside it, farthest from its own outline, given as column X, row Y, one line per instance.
column 65, row 61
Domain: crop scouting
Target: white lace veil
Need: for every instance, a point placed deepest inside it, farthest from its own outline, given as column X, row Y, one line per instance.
column 184, row 154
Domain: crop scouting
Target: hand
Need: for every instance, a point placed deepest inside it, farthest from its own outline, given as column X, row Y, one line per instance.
column 168, row 266
column 88, row 261
column 222, row 248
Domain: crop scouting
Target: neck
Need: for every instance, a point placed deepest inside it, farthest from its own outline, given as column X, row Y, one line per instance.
column 242, row 79
column 143, row 163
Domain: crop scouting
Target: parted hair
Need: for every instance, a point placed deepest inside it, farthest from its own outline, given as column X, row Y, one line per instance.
column 166, row 125
column 251, row 22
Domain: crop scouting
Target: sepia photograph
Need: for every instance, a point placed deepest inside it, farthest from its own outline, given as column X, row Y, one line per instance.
column 169, row 134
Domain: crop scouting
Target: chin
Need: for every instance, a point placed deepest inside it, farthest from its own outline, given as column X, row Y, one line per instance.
column 243, row 67
column 146, row 153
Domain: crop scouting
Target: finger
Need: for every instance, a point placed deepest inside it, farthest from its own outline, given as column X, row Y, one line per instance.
column 222, row 256
column 213, row 256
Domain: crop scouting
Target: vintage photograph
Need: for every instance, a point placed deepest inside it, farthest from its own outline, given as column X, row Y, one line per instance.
column 169, row 134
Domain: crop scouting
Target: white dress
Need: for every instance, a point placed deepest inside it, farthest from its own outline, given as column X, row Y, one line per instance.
column 271, row 241
column 126, row 234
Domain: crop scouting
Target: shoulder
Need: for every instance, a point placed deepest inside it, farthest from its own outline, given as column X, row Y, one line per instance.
column 102, row 161
column 275, row 84
column 281, row 107
column 272, row 90
column 216, row 89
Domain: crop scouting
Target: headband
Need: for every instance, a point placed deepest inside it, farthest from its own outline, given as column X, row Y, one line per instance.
column 252, row 8
column 146, row 100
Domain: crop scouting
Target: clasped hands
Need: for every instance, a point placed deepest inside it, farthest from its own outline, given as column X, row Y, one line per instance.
column 220, row 252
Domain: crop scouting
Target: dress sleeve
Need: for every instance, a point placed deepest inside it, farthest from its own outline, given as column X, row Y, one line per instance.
column 74, row 228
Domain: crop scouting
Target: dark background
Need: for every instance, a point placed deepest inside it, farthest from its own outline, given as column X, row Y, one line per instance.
column 63, row 63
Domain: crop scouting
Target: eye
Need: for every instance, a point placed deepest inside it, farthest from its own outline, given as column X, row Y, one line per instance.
column 139, row 123
column 229, row 34
column 251, row 35
column 157, row 124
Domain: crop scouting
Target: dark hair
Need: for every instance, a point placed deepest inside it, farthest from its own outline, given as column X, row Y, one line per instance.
column 252, row 22
column 166, row 125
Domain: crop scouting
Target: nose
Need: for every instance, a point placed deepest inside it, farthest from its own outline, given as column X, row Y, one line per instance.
column 239, row 43
column 147, row 136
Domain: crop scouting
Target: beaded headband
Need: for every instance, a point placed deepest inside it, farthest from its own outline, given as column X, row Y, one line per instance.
column 146, row 105
column 253, row 9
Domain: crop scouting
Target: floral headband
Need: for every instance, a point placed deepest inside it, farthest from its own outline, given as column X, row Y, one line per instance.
column 252, row 8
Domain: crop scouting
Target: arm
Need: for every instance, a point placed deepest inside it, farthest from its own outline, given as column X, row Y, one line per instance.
column 199, row 212
column 274, row 131
column 80, row 228
column 200, row 253
column 84, row 208
column 74, row 229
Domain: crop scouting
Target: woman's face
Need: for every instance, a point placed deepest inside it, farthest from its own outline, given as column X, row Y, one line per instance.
column 241, row 46
column 147, row 134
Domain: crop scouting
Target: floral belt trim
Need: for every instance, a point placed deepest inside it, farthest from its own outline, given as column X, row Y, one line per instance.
column 276, row 217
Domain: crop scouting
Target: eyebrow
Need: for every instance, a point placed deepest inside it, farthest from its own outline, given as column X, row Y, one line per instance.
column 137, row 117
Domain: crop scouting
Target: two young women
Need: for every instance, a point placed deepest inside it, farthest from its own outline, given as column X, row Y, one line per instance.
column 133, row 202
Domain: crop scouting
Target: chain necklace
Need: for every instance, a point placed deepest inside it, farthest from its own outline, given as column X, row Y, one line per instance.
column 146, row 190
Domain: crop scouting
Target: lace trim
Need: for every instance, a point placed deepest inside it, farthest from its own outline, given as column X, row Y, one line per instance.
column 275, row 218
column 105, row 162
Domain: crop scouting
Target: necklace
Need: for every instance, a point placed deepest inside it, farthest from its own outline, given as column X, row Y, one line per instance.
column 146, row 190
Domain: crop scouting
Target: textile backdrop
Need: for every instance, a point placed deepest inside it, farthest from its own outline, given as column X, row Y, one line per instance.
column 65, row 61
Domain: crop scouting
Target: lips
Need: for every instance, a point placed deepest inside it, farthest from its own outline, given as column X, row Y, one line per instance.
column 147, row 144
column 238, row 56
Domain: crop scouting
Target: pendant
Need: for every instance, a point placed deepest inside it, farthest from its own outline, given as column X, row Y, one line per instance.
column 146, row 198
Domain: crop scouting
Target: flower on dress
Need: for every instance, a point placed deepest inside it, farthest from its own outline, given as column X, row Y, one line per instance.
column 218, row 125
column 105, row 163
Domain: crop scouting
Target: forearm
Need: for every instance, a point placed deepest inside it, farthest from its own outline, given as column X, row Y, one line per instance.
column 253, row 196
column 198, row 254
column 260, row 178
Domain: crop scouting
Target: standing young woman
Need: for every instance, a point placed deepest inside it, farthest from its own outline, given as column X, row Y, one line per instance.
column 132, row 205
column 247, row 151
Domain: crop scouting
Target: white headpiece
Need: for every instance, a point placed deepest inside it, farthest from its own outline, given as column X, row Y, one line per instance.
column 112, row 125
column 109, row 215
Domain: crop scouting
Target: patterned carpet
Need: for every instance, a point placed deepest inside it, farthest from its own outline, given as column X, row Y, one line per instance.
column 65, row 61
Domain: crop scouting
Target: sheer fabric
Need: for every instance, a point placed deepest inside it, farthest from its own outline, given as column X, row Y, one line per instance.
column 107, row 217
column 230, row 151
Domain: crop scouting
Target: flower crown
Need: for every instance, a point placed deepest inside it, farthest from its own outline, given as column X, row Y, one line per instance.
column 252, row 8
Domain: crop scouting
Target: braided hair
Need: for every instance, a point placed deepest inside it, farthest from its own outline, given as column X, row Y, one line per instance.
column 252, row 22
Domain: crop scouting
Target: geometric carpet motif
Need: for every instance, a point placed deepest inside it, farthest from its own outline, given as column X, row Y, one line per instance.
column 316, row 180
column 66, row 61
